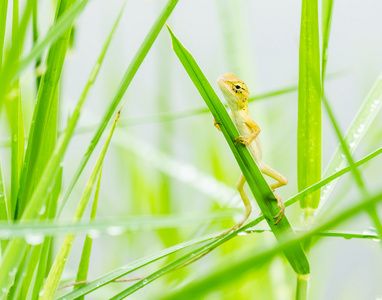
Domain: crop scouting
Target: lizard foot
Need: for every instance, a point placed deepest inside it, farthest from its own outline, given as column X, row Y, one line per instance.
column 281, row 213
column 241, row 140
column 217, row 125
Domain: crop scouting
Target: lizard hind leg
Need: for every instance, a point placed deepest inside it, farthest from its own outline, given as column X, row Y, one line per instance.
column 247, row 204
column 281, row 180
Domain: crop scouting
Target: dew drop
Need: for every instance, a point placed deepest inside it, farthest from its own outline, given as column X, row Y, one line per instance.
column 34, row 238
column 42, row 210
column 12, row 273
column 352, row 144
column 114, row 230
column 94, row 234
column 145, row 281
column 41, row 293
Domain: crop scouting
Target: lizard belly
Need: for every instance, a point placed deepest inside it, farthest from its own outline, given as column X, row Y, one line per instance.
column 245, row 131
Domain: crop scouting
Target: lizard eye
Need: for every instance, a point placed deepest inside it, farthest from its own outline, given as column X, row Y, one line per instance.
column 237, row 86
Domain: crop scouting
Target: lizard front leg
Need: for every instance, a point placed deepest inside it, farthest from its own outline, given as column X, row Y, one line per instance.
column 255, row 132
column 217, row 124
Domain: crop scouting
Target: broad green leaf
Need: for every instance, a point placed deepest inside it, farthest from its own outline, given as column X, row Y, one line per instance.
column 309, row 106
column 259, row 187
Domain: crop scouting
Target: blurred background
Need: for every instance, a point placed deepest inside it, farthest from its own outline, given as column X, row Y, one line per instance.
column 184, row 166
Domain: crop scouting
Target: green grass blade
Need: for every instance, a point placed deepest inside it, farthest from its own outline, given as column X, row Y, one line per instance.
column 124, row 270
column 357, row 130
column 43, row 132
column 327, row 12
column 309, row 105
column 131, row 224
column 125, row 82
column 55, row 273
column 83, row 267
column 4, row 202
column 3, row 22
column 256, row 181
column 11, row 57
column 17, row 143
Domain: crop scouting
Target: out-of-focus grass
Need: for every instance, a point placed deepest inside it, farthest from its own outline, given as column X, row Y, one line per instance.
column 155, row 200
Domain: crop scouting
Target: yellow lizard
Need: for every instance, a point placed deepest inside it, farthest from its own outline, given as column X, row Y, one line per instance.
column 236, row 94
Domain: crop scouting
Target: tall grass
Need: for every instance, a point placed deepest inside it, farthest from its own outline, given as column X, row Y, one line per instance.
column 160, row 233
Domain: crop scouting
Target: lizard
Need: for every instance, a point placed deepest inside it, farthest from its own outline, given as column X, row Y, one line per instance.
column 236, row 94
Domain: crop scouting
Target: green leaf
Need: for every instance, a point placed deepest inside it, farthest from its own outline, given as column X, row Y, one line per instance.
column 309, row 106
column 259, row 187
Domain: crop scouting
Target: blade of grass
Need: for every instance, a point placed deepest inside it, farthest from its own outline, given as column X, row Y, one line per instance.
column 357, row 130
column 131, row 224
column 309, row 105
column 327, row 11
column 357, row 174
column 43, row 131
column 46, row 251
column 4, row 202
column 3, row 22
column 12, row 54
column 55, row 273
column 125, row 82
column 83, row 267
column 256, row 181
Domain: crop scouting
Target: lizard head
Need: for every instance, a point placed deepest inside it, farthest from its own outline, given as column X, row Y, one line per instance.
column 234, row 90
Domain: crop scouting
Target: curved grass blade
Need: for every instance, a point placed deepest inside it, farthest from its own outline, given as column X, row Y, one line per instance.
column 125, row 82
column 122, row 271
column 259, row 187
column 98, row 283
column 55, row 273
